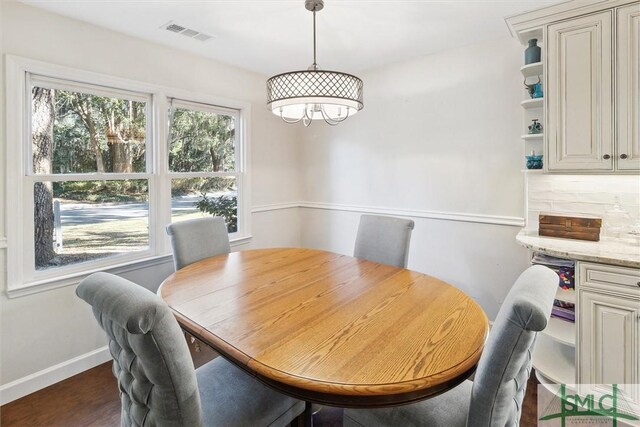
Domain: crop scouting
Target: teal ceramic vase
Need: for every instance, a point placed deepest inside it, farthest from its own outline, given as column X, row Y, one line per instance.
column 532, row 53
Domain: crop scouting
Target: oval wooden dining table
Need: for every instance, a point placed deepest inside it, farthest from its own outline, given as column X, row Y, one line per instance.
column 331, row 328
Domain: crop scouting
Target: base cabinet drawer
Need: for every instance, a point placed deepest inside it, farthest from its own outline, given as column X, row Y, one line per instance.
column 615, row 279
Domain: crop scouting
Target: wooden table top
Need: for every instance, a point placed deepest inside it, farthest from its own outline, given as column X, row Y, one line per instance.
column 331, row 328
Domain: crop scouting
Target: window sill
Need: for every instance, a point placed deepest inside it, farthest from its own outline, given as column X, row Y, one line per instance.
column 75, row 278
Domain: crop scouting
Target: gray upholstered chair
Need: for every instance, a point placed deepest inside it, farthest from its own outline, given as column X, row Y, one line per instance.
column 494, row 398
column 196, row 239
column 384, row 239
column 157, row 382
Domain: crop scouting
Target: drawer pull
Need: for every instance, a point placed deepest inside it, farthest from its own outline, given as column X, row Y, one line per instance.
column 606, row 157
column 623, row 156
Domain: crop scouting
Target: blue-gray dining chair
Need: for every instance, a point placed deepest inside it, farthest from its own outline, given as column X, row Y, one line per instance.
column 196, row 239
column 494, row 398
column 157, row 381
column 384, row 239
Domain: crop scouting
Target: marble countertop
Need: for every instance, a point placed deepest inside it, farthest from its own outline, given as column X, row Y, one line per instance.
column 625, row 253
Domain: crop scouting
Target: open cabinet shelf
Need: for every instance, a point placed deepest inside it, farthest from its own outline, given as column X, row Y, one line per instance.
column 528, row 104
column 531, row 70
column 556, row 362
column 561, row 331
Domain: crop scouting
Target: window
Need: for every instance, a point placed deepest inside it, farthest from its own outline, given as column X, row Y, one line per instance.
column 106, row 164
column 89, row 172
column 202, row 162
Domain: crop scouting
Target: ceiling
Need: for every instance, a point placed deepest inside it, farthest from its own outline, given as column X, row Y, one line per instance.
column 272, row 36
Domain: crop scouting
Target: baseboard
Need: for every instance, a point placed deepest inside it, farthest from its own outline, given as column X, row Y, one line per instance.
column 54, row 374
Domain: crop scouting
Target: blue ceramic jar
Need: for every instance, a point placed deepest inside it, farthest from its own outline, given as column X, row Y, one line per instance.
column 534, row 162
column 532, row 53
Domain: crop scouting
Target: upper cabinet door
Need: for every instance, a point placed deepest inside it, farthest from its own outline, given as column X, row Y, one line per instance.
column 579, row 94
column 628, row 87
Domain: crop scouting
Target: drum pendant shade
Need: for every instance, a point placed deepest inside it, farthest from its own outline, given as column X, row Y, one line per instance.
column 314, row 94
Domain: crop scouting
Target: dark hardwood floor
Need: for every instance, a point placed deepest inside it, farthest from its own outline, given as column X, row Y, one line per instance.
column 91, row 399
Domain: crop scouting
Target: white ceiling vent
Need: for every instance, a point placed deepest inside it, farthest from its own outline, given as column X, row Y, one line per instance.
column 188, row 32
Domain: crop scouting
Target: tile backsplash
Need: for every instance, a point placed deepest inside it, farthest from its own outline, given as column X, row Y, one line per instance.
column 581, row 195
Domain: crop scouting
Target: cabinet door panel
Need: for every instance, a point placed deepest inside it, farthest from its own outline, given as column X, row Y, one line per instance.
column 609, row 341
column 628, row 87
column 579, row 94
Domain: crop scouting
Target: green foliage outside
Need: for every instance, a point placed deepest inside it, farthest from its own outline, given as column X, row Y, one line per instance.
column 80, row 133
column 187, row 186
column 102, row 191
column 201, row 142
column 98, row 134
column 224, row 206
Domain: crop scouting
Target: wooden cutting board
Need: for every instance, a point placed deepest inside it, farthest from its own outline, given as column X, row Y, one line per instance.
column 568, row 227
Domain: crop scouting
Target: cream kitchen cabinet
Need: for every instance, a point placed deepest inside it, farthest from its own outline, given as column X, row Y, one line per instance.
column 579, row 94
column 608, row 349
column 628, row 87
column 591, row 73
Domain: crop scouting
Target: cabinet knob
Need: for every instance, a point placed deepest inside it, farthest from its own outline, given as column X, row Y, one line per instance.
column 623, row 156
column 606, row 157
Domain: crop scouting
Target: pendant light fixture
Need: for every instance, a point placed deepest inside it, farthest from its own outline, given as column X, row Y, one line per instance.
column 314, row 94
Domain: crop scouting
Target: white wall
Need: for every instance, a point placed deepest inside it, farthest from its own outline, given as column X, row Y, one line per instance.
column 42, row 330
column 439, row 136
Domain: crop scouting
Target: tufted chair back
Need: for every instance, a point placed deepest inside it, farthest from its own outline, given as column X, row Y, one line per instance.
column 151, row 360
column 384, row 239
column 501, row 379
column 197, row 239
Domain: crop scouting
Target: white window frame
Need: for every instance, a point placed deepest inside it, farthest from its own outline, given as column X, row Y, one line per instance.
column 237, row 173
column 22, row 277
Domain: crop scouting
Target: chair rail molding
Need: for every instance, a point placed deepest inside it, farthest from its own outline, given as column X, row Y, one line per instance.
column 510, row 221
column 445, row 216
column 275, row 207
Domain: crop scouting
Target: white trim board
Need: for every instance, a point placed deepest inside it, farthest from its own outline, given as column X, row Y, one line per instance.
column 74, row 279
column 52, row 375
column 445, row 216
column 509, row 221
column 275, row 207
